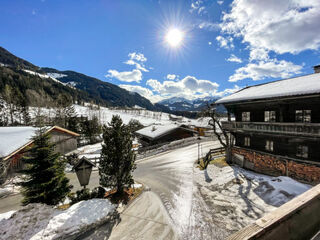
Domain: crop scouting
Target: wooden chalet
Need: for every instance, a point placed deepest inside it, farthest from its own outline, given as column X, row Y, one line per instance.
column 277, row 127
column 157, row 134
column 15, row 141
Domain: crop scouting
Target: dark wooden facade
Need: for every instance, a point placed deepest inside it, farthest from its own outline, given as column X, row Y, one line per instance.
column 279, row 136
column 295, row 122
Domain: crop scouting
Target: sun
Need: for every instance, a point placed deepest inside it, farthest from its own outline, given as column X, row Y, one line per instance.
column 174, row 37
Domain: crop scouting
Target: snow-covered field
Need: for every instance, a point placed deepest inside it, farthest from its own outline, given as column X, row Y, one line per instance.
column 104, row 114
column 236, row 197
column 39, row 221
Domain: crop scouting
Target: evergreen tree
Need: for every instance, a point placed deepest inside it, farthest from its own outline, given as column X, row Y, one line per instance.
column 134, row 125
column 117, row 157
column 71, row 119
column 45, row 178
column 91, row 129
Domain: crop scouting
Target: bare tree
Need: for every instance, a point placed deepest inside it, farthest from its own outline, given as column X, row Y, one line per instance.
column 225, row 138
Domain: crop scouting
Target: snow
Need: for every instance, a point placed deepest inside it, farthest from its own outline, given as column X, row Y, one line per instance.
column 56, row 75
column 10, row 186
column 39, row 221
column 12, row 138
column 308, row 84
column 237, row 197
column 44, row 76
column 155, row 131
column 6, row 215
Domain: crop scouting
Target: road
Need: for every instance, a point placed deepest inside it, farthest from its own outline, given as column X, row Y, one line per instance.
column 170, row 177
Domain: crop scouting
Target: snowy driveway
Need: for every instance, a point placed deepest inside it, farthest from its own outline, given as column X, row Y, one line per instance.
column 170, row 176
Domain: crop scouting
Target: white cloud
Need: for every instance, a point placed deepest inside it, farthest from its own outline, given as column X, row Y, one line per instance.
column 189, row 87
column 225, row 42
column 137, row 59
column 259, row 54
column 266, row 69
column 228, row 91
column 197, row 6
column 127, row 76
column 171, row 76
column 138, row 65
column 210, row 43
column 234, row 58
column 220, row 2
column 210, row 26
column 145, row 92
column 137, row 56
column 281, row 26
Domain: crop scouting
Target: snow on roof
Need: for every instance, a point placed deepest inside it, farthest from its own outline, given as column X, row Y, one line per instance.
column 13, row 138
column 155, row 131
column 308, row 84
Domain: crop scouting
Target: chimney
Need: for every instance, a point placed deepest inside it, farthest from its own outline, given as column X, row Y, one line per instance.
column 316, row 69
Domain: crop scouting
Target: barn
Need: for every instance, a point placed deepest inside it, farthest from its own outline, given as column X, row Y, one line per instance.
column 14, row 142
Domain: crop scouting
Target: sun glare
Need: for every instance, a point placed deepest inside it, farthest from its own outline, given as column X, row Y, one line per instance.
column 174, row 37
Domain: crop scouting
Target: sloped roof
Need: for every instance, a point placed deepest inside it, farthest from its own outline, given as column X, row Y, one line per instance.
column 156, row 131
column 14, row 139
column 303, row 85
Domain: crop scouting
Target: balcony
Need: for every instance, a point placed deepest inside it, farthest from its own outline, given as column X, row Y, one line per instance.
column 297, row 129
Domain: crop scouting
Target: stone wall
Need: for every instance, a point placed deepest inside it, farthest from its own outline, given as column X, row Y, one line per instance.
column 276, row 165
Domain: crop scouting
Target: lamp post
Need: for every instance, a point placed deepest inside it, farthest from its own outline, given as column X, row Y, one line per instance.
column 199, row 139
column 83, row 170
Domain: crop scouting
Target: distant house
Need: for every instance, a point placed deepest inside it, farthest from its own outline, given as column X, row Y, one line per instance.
column 14, row 142
column 156, row 134
column 277, row 127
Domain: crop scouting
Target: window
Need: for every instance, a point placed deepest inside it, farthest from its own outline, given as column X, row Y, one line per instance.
column 247, row 141
column 245, row 116
column 269, row 145
column 269, row 116
column 302, row 151
column 303, row 116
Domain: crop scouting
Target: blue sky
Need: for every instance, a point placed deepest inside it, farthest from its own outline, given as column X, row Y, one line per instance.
column 226, row 45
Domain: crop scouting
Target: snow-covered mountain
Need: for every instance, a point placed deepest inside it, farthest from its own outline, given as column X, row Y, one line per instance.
column 182, row 104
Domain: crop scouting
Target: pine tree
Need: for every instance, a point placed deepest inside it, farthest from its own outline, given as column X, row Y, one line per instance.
column 117, row 157
column 71, row 119
column 45, row 178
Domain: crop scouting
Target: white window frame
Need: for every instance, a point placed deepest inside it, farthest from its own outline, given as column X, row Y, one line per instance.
column 247, row 141
column 303, row 116
column 245, row 117
column 302, row 151
column 270, row 116
column 269, row 145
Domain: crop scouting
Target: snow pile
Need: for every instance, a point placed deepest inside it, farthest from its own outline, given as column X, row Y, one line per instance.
column 236, row 197
column 6, row 215
column 39, row 221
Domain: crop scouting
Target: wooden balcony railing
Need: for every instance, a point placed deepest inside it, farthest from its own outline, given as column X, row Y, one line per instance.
column 301, row 129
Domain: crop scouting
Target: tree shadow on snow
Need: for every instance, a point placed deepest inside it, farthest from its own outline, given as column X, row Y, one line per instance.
column 243, row 193
column 206, row 176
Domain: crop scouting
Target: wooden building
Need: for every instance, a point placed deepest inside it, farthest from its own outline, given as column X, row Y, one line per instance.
column 277, row 127
column 14, row 143
column 157, row 134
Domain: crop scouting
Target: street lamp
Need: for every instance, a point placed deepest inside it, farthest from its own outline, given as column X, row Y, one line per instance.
column 83, row 170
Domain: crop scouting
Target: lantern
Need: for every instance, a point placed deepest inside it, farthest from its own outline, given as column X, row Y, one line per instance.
column 83, row 170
